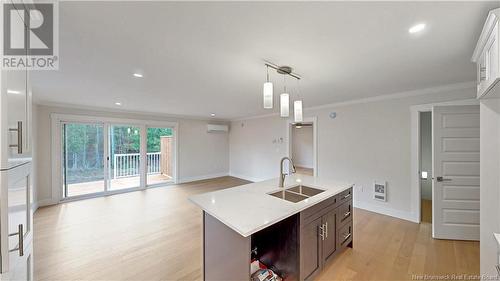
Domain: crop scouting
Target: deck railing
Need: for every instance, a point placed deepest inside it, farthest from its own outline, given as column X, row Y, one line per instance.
column 127, row 165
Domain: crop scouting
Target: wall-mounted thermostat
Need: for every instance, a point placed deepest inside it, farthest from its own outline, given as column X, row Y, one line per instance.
column 380, row 191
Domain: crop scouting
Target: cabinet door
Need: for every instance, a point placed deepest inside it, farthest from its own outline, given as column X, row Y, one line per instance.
column 16, row 91
column 310, row 249
column 330, row 240
column 17, row 222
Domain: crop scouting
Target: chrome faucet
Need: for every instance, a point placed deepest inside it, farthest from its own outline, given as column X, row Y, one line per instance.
column 282, row 175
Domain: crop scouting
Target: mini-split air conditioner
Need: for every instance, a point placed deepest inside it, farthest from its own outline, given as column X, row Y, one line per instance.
column 214, row 128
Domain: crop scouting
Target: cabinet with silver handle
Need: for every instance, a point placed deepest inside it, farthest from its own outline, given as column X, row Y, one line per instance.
column 324, row 220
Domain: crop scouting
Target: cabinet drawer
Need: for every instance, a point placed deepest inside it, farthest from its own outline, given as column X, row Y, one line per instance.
column 344, row 236
column 345, row 195
column 344, row 213
column 318, row 210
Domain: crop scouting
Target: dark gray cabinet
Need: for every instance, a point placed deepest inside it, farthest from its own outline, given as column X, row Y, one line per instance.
column 310, row 248
column 329, row 234
column 325, row 230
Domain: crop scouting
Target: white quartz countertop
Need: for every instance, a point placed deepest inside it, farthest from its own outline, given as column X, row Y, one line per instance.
column 249, row 208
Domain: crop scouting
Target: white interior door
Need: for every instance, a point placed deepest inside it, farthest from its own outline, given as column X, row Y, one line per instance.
column 455, row 207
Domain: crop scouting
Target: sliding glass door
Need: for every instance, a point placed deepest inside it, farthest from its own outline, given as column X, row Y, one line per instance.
column 101, row 157
column 160, row 143
column 124, row 157
column 83, row 159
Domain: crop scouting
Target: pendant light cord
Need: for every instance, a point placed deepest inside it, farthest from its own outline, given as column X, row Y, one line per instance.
column 284, row 83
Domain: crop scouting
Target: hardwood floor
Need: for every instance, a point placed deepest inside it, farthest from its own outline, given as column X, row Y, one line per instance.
column 426, row 210
column 304, row 171
column 156, row 235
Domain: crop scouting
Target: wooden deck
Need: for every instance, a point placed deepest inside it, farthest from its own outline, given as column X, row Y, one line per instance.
column 115, row 184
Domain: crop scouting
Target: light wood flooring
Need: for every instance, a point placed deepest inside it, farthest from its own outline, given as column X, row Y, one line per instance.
column 304, row 171
column 426, row 211
column 156, row 235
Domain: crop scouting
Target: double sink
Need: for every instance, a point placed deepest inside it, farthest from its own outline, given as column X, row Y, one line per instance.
column 296, row 193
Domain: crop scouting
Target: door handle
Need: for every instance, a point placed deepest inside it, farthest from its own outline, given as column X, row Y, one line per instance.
column 20, row 246
column 441, row 179
column 19, row 131
column 326, row 229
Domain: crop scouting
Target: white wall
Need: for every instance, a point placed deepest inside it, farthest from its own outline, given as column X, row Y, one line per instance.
column 302, row 147
column 366, row 141
column 201, row 154
column 490, row 184
column 426, row 154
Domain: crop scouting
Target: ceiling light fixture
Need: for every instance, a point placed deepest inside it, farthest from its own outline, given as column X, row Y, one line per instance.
column 297, row 111
column 285, row 96
column 284, row 105
column 212, row 114
column 118, row 103
column 268, row 92
column 138, row 75
column 14, row 92
column 417, row 28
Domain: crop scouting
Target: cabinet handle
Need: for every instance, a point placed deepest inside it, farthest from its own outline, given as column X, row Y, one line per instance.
column 347, row 196
column 326, row 229
column 346, row 237
column 347, row 214
column 20, row 246
column 482, row 73
column 19, row 131
column 322, row 233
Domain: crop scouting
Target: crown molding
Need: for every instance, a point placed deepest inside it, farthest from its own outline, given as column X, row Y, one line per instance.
column 488, row 27
column 399, row 95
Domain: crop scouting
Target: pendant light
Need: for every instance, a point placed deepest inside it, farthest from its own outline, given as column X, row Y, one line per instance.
column 284, row 105
column 297, row 107
column 284, row 101
column 268, row 92
column 297, row 111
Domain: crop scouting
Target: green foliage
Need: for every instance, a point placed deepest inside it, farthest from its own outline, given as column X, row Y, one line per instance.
column 85, row 143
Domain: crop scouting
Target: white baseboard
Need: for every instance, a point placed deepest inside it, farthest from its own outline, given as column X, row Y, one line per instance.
column 204, row 177
column 409, row 216
column 45, row 202
column 307, row 166
column 245, row 177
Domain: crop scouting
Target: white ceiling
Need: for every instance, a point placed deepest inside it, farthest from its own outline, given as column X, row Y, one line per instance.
column 200, row 57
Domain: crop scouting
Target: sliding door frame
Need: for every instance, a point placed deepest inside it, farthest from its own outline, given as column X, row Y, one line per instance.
column 62, row 155
column 57, row 120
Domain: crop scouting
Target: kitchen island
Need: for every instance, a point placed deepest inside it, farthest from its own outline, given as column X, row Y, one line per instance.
column 294, row 230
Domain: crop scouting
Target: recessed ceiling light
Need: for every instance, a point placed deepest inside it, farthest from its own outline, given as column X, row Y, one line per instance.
column 13, row 92
column 138, row 75
column 417, row 28
column 118, row 103
column 212, row 114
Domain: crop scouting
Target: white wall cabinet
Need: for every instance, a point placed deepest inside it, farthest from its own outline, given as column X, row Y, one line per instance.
column 16, row 180
column 486, row 57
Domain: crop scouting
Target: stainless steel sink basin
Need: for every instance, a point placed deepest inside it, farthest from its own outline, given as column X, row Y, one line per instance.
column 289, row 196
column 296, row 193
column 305, row 190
